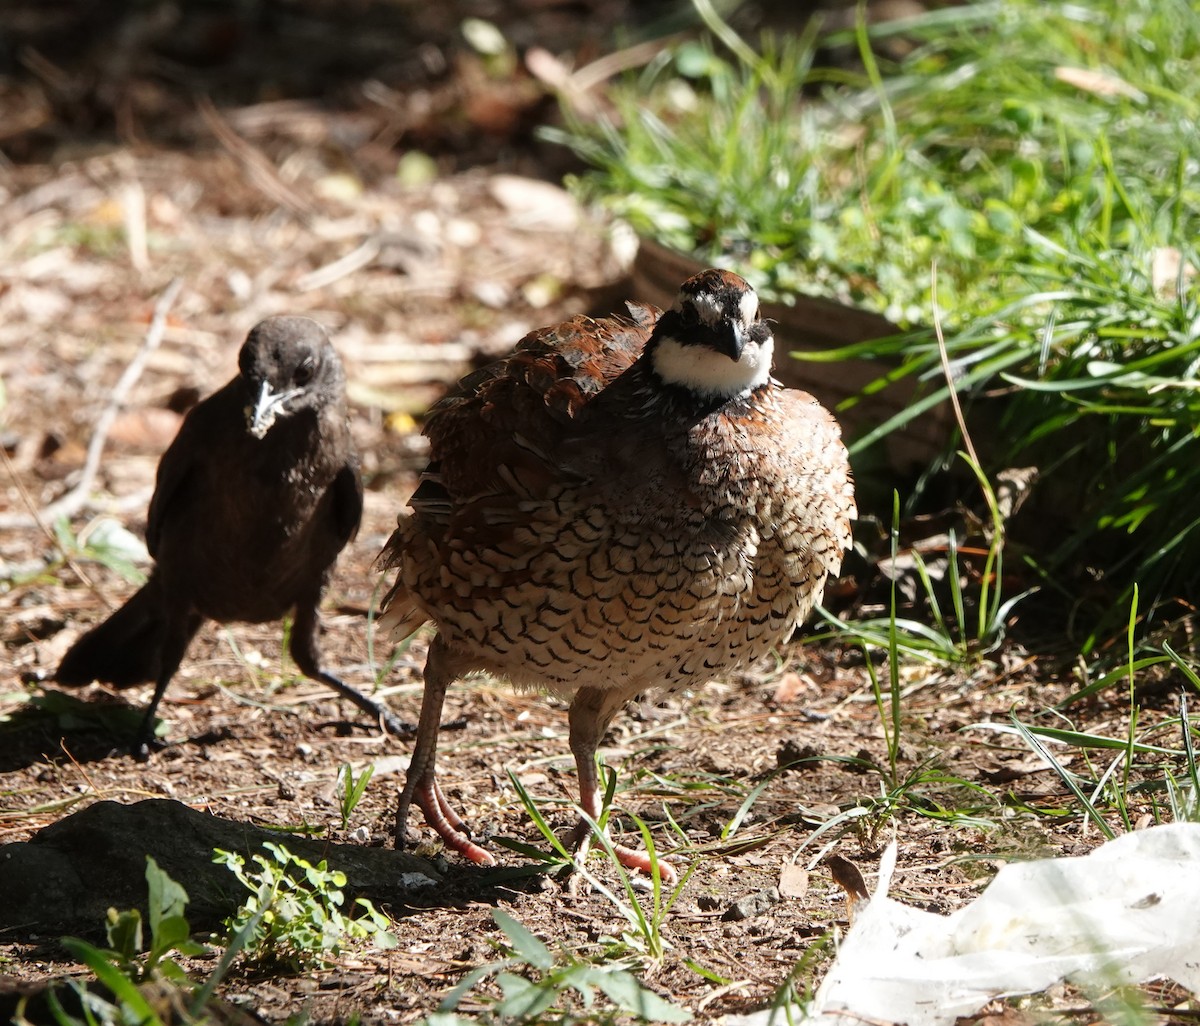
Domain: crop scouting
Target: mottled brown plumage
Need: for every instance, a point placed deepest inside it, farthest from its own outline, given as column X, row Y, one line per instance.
column 617, row 505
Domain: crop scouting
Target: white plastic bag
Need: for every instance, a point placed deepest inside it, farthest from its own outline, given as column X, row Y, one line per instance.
column 1125, row 913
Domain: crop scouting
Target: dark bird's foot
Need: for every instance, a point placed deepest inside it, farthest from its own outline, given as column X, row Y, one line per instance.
column 374, row 708
column 146, row 741
column 144, row 747
column 396, row 726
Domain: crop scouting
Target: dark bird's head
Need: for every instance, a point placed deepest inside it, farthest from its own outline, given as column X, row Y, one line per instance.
column 712, row 341
column 288, row 364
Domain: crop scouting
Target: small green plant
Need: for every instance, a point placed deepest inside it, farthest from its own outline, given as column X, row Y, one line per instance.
column 169, row 931
column 1100, row 788
column 351, row 789
column 561, row 990
column 294, row 913
column 794, row 996
column 643, row 935
column 1184, row 796
column 891, row 724
column 973, row 626
column 140, row 982
column 106, row 542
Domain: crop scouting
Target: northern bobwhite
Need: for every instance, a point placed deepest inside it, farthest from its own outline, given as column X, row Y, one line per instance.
column 617, row 505
column 254, row 499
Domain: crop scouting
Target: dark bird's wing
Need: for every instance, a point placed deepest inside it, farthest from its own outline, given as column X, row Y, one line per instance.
column 199, row 437
column 347, row 503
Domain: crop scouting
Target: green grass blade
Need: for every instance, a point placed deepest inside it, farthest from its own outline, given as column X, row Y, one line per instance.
column 1067, row 778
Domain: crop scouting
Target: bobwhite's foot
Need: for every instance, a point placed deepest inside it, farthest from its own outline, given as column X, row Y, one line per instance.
column 579, row 841
column 426, row 794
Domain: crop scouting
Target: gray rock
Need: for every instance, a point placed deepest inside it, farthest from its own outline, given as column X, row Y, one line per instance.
column 751, row 905
column 73, row 871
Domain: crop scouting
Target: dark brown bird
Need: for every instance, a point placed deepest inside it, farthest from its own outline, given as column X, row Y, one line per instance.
column 616, row 506
column 254, row 499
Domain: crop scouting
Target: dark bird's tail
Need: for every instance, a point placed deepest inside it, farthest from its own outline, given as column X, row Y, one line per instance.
column 126, row 649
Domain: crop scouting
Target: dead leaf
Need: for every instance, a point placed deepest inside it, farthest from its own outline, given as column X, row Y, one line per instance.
column 1003, row 771
column 847, row 876
column 790, row 685
column 535, row 205
column 793, row 881
column 1165, row 270
column 1098, row 83
column 149, row 428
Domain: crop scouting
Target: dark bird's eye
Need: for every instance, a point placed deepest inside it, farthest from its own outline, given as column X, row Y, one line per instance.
column 688, row 315
column 304, row 373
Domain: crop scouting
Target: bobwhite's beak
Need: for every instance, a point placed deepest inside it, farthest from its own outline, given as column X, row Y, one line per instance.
column 733, row 340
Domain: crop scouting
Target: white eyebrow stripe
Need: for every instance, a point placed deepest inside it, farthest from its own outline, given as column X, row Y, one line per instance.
column 748, row 305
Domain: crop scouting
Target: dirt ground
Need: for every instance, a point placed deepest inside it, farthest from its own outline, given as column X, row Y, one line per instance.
column 286, row 202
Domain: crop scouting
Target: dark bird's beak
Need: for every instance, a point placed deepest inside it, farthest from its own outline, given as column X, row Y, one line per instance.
column 266, row 408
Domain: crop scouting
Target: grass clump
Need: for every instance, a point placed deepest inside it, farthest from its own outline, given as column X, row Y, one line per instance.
column 536, row 986
column 1038, row 162
column 350, row 789
column 1007, row 120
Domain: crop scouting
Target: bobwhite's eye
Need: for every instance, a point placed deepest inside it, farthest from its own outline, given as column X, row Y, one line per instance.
column 688, row 315
column 303, row 373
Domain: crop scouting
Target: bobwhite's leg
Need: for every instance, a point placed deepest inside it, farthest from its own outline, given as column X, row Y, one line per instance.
column 592, row 710
column 421, row 786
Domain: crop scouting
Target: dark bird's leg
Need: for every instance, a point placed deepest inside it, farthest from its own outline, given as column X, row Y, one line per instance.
column 177, row 635
column 592, row 710
column 421, row 785
column 308, row 659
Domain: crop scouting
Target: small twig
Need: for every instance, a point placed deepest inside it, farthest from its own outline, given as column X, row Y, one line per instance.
column 262, row 173
column 77, row 498
column 133, row 205
column 45, row 69
column 864, row 197
column 603, row 68
column 353, row 261
column 577, row 87
column 941, row 341
column 36, row 520
column 62, row 743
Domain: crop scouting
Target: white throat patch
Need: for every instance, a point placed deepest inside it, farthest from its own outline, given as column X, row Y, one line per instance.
column 705, row 372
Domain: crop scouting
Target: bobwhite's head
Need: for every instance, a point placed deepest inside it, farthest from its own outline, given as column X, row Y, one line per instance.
column 712, row 342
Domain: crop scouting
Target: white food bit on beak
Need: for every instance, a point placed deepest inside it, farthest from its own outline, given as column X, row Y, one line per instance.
column 269, row 405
